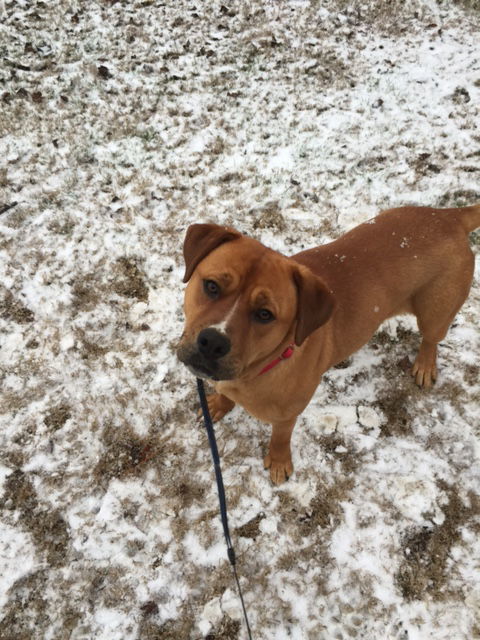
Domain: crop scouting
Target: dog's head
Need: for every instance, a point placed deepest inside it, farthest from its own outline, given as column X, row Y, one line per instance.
column 244, row 303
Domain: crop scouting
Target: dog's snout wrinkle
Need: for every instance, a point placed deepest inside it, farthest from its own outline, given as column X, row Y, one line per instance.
column 212, row 344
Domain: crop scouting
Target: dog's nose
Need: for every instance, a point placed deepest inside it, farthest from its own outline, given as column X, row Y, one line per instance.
column 212, row 344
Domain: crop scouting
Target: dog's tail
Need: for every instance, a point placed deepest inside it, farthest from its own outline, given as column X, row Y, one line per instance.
column 469, row 217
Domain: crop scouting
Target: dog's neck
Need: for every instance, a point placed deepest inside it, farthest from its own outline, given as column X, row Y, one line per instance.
column 283, row 356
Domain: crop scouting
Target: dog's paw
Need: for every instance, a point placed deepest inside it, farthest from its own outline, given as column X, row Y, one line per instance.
column 425, row 375
column 218, row 405
column 424, row 368
column 279, row 471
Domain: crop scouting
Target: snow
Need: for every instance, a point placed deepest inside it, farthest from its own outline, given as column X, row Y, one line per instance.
column 292, row 122
column 13, row 545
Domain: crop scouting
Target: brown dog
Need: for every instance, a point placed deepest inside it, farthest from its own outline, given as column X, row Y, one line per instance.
column 266, row 327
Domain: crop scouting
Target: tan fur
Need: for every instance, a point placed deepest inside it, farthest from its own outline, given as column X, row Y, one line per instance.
column 328, row 301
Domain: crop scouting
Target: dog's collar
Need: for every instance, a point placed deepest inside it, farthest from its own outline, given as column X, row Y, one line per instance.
column 284, row 356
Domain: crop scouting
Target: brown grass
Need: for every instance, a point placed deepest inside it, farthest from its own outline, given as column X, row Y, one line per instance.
column 426, row 550
column 12, row 309
column 125, row 453
column 130, row 281
column 48, row 528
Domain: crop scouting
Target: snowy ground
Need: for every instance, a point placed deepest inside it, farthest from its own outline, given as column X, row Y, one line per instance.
column 121, row 123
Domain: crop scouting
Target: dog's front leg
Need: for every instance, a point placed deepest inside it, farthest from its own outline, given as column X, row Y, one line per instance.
column 279, row 457
column 218, row 406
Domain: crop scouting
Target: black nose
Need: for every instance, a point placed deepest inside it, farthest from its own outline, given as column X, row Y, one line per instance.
column 212, row 344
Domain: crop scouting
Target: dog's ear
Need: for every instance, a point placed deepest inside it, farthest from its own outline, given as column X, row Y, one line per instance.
column 315, row 303
column 200, row 240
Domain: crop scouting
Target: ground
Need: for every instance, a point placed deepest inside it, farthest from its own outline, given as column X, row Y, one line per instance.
column 122, row 122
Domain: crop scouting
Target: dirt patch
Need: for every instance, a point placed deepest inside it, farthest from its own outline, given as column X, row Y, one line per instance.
column 90, row 350
column 459, row 198
column 319, row 520
column 186, row 492
column 13, row 458
column 126, row 454
column 62, row 227
column 29, row 619
column 26, row 612
column 404, row 342
column 109, row 586
column 172, row 630
column 397, row 400
column 325, row 511
column 425, row 164
column 472, row 5
column 460, row 96
column 48, row 529
column 85, row 297
column 427, row 550
column 344, row 364
column 181, row 629
column 227, row 630
column 13, row 309
column 336, row 447
column 268, row 217
column 331, row 442
column 149, row 608
column 57, row 417
column 395, row 405
column 471, row 374
column 250, row 529
column 475, row 238
column 130, row 281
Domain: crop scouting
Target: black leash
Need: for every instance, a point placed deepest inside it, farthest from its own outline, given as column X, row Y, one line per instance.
column 221, row 492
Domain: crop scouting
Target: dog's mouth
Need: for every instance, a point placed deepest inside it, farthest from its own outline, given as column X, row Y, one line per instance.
column 209, row 373
column 201, row 367
column 200, row 371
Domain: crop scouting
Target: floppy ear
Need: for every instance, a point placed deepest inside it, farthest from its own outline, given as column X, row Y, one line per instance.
column 315, row 303
column 200, row 240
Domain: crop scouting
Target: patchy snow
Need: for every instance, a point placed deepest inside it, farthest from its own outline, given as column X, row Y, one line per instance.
column 14, row 544
column 123, row 122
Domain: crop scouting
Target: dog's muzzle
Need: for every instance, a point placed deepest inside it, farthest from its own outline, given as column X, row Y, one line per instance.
column 204, row 358
column 212, row 344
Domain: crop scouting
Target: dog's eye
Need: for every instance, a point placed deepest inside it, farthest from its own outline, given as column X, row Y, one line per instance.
column 264, row 316
column 211, row 288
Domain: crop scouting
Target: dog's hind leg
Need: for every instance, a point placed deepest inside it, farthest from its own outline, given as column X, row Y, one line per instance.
column 424, row 368
column 435, row 307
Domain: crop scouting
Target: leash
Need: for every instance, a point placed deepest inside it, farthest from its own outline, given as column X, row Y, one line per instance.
column 221, row 492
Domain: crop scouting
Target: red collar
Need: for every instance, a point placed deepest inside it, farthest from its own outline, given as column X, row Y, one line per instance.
column 284, row 356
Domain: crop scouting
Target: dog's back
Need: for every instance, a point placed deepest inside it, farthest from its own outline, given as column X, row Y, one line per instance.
column 407, row 260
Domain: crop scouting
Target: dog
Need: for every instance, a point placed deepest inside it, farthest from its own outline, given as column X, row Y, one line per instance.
column 265, row 327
